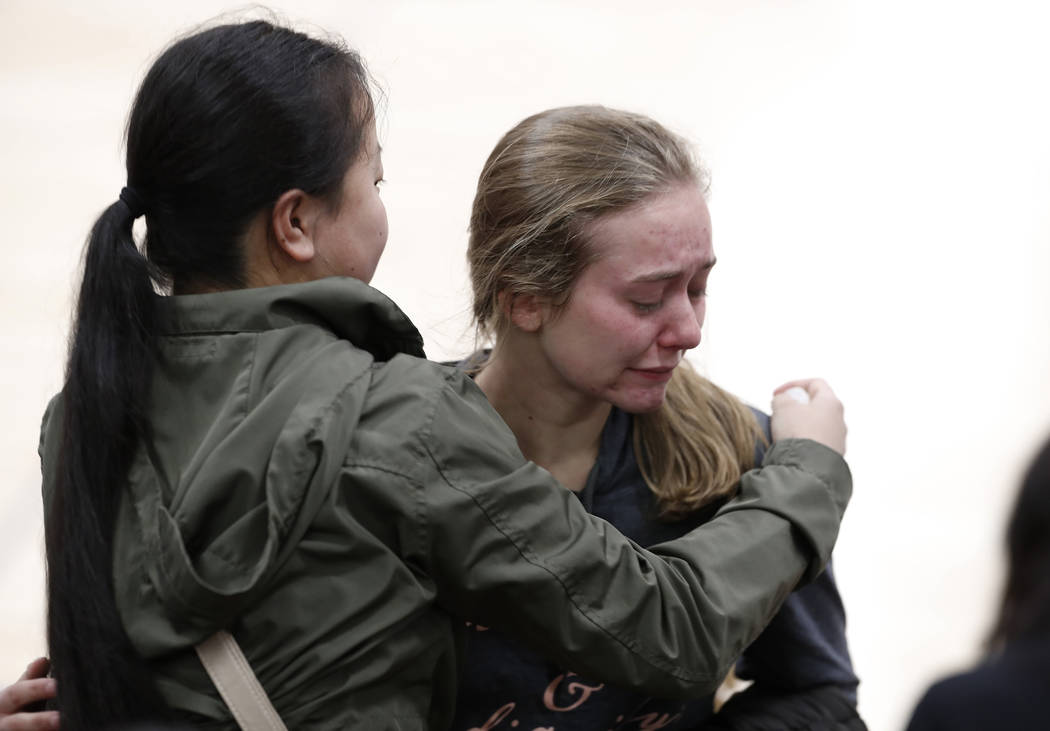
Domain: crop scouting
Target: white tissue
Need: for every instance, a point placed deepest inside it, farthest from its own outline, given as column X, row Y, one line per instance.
column 798, row 393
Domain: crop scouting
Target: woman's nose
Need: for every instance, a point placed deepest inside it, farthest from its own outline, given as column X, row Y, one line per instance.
column 682, row 330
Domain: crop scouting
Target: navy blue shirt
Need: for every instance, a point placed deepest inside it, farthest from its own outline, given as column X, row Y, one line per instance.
column 1010, row 691
column 505, row 685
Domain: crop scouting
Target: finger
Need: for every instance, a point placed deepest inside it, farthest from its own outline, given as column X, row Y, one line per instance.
column 15, row 696
column 36, row 669
column 818, row 387
column 42, row 721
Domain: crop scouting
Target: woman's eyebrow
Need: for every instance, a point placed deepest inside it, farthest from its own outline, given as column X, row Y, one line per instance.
column 661, row 275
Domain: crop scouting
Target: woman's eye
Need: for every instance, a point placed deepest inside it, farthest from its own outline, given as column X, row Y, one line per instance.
column 647, row 306
column 380, row 182
column 697, row 294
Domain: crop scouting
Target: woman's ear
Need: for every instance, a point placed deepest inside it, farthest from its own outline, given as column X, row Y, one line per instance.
column 292, row 222
column 525, row 311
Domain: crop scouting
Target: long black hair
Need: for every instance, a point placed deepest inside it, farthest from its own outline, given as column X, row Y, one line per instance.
column 1025, row 609
column 225, row 121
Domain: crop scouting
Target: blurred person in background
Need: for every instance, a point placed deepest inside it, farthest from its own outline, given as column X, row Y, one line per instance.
column 1010, row 689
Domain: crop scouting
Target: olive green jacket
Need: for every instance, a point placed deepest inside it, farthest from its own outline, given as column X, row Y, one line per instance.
column 314, row 485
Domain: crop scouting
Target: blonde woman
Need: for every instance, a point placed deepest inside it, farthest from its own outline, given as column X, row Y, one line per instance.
column 590, row 252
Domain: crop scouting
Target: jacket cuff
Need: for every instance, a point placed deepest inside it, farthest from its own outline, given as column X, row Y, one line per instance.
column 819, row 460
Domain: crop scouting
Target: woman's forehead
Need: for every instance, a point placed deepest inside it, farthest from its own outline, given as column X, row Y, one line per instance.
column 656, row 238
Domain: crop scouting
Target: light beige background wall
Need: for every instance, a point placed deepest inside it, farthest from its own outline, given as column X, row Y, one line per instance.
column 880, row 202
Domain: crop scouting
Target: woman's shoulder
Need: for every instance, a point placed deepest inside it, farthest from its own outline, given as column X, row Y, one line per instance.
column 1012, row 691
column 435, row 410
column 763, row 420
column 407, row 379
column 765, row 427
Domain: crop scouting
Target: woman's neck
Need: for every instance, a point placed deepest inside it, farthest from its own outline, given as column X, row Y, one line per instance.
column 557, row 427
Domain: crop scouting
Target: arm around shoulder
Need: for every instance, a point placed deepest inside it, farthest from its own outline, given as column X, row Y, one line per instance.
column 509, row 547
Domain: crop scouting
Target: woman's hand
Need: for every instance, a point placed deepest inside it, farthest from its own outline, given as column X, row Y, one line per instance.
column 820, row 419
column 32, row 687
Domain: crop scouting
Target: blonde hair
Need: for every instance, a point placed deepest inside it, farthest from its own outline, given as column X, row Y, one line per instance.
column 547, row 179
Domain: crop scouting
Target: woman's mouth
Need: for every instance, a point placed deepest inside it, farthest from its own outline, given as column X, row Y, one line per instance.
column 654, row 374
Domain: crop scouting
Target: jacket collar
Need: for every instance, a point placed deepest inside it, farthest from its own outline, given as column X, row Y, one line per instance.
column 347, row 307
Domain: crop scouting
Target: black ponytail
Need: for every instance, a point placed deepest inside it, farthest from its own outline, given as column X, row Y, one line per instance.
column 225, row 121
column 103, row 396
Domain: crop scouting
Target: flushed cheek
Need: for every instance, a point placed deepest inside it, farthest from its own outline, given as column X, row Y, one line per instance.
column 384, row 222
column 639, row 346
column 623, row 336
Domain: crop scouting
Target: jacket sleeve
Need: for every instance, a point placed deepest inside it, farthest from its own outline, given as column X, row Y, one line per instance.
column 509, row 548
column 800, row 664
column 804, row 645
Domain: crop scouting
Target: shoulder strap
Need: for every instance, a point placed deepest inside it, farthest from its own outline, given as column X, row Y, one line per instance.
column 229, row 670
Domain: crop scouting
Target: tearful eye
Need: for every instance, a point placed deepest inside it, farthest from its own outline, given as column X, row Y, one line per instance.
column 645, row 307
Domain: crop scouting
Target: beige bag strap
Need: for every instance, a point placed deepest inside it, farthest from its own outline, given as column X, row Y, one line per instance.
column 229, row 670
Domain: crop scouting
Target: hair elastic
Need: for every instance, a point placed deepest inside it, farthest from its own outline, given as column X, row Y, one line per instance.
column 132, row 201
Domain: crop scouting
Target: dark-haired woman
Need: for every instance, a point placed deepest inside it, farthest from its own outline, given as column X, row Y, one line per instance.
column 1011, row 689
column 265, row 452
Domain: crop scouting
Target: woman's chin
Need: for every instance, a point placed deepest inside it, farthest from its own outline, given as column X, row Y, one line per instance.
column 641, row 402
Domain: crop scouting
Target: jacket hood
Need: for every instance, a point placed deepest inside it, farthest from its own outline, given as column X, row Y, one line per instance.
column 349, row 308
column 256, row 394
